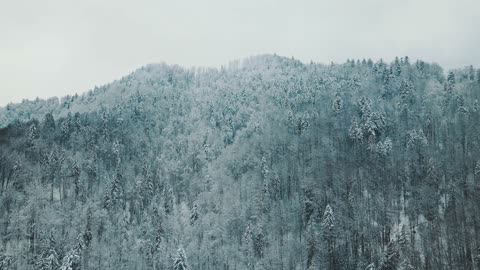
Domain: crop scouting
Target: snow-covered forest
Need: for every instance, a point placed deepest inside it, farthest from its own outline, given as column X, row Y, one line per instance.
column 266, row 163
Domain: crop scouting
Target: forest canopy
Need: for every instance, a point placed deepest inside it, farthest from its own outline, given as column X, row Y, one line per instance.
column 266, row 163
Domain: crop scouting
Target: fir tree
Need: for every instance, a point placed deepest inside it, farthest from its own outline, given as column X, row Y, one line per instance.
column 259, row 241
column 49, row 123
column 76, row 179
column 328, row 220
column 391, row 257
column 49, row 260
column 337, row 105
column 450, row 82
column 180, row 262
column 248, row 245
column 6, row 261
column 70, row 261
column 168, row 199
column 194, row 214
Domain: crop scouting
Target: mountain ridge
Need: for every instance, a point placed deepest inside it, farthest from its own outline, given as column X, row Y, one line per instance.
column 268, row 164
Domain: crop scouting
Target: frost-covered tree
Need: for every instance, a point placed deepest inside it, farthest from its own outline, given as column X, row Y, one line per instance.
column 180, row 262
column 259, row 241
column 261, row 145
column 328, row 220
column 32, row 134
column 194, row 214
column 72, row 259
column 247, row 243
column 391, row 258
column 49, row 260
column 6, row 261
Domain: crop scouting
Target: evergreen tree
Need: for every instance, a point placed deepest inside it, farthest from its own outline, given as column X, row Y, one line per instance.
column 399, row 149
column 337, row 105
column 248, row 245
column 328, row 220
column 76, row 179
column 194, row 214
column 49, row 124
column 391, row 257
column 32, row 134
column 180, row 262
column 49, row 260
column 168, row 199
column 70, row 261
column 450, row 82
column 6, row 261
column 259, row 241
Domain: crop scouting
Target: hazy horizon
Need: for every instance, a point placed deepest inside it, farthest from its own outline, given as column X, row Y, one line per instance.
column 57, row 48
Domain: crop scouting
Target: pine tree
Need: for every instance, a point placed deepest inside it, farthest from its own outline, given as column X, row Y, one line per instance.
column 398, row 67
column 355, row 132
column 406, row 91
column 66, row 127
column 337, row 105
column 248, row 245
column 180, row 262
column 70, row 261
column 308, row 205
column 477, row 167
column 105, row 131
column 158, row 228
column 403, row 237
column 259, row 241
column 416, row 139
column 107, row 198
column 275, row 187
column 328, row 229
column 32, row 134
column 450, row 82
column 116, row 190
column 76, row 179
column 391, row 257
column 48, row 123
column 328, row 220
column 76, row 123
column 477, row 258
column 265, row 197
column 116, row 153
column 194, row 214
column 49, row 260
column 6, row 261
column 87, row 236
column 146, row 185
column 265, row 169
column 168, row 199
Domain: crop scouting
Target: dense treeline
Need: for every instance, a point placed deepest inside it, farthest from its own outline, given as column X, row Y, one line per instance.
column 266, row 164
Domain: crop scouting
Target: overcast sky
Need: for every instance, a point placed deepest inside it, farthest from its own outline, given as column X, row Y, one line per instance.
column 59, row 47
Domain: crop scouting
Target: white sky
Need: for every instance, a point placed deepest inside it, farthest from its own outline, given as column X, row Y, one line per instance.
column 58, row 47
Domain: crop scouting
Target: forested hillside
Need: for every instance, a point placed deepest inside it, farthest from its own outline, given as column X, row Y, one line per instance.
column 267, row 163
